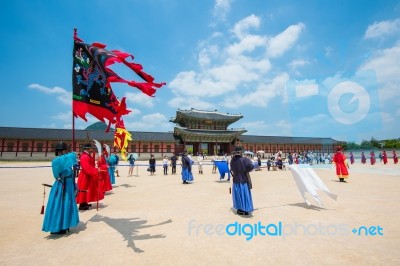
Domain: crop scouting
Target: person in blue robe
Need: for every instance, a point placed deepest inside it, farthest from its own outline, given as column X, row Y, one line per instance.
column 112, row 163
column 187, row 175
column 241, row 193
column 61, row 210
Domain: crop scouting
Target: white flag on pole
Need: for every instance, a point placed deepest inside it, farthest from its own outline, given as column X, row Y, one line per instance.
column 308, row 181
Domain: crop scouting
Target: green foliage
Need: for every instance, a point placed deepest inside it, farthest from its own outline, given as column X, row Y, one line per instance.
column 373, row 144
column 392, row 144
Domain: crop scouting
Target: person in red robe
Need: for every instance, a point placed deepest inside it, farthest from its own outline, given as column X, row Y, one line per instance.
column 372, row 157
column 341, row 165
column 384, row 157
column 104, row 175
column 395, row 159
column 88, row 180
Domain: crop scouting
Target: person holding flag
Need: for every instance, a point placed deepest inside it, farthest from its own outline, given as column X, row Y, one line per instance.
column 104, row 171
column 61, row 211
column 88, row 179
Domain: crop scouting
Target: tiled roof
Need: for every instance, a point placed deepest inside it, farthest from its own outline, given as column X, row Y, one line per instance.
column 207, row 115
column 100, row 135
column 210, row 132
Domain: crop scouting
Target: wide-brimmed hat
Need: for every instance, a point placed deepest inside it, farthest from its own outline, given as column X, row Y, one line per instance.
column 87, row 146
column 238, row 149
column 61, row 146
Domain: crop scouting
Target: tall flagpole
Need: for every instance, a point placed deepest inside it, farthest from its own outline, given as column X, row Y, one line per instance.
column 72, row 105
column 73, row 131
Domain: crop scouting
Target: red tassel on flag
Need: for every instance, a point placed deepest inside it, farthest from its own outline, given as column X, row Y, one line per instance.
column 44, row 195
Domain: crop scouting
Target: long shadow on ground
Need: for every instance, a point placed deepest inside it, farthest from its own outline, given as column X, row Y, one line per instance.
column 129, row 228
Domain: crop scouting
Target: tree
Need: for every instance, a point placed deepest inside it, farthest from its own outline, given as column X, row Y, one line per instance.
column 375, row 143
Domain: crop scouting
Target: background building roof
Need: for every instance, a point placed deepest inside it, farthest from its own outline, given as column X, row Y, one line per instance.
column 101, row 135
column 205, row 115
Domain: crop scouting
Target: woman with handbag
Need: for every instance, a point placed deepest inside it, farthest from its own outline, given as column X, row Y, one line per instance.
column 241, row 193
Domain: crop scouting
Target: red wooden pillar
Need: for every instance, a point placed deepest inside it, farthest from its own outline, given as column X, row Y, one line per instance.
column 2, row 147
column 33, row 143
column 16, row 152
column 47, row 148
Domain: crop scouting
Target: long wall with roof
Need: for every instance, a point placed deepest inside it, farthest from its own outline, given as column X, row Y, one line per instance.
column 38, row 144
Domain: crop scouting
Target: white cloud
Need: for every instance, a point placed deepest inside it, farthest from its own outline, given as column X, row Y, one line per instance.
column 281, row 43
column 221, row 9
column 235, row 72
column 64, row 96
column 264, row 93
column 192, row 102
column 383, row 28
column 139, row 98
column 262, row 128
column 386, row 65
column 313, row 125
column 240, row 29
column 204, row 84
column 151, row 122
column 307, row 90
column 63, row 117
column 298, row 63
column 328, row 51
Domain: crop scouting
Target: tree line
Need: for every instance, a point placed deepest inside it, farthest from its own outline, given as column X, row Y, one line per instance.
column 373, row 144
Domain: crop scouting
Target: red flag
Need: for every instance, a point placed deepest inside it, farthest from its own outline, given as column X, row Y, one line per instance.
column 91, row 78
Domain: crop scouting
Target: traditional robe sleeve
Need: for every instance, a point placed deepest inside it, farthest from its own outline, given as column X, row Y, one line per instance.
column 88, row 168
column 62, row 165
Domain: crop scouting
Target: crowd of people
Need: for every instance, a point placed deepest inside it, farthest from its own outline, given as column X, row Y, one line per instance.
column 96, row 174
column 372, row 158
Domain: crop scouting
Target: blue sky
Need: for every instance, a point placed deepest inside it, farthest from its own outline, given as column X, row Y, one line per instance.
column 291, row 68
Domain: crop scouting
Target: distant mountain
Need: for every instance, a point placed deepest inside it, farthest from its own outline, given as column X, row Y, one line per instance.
column 98, row 126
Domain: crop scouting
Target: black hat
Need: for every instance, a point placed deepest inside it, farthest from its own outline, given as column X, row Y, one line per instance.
column 238, row 149
column 61, row 146
column 87, row 146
